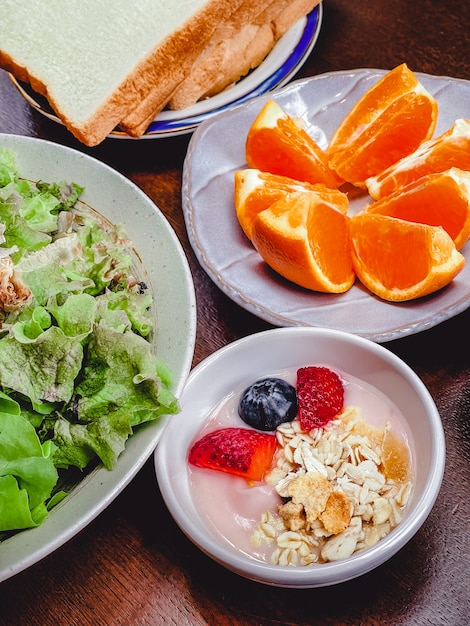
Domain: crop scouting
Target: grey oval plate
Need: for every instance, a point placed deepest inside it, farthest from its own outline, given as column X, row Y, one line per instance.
column 217, row 150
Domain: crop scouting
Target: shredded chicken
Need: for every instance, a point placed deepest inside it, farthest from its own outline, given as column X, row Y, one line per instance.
column 14, row 294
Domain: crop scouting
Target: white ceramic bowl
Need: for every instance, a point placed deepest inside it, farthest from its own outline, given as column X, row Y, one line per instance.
column 239, row 364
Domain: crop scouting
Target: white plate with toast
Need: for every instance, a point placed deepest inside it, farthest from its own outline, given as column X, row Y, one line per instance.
column 282, row 63
column 217, row 150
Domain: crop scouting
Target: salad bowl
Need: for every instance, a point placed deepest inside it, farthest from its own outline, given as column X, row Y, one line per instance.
column 163, row 263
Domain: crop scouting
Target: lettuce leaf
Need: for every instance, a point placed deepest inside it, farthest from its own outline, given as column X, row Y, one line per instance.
column 126, row 310
column 105, row 257
column 44, row 370
column 40, row 212
column 8, row 167
column 17, row 232
column 44, row 270
column 120, row 389
column 27, row 474
column 76, row 315
column 65, row 193
column 77, row 374
column 30, row 324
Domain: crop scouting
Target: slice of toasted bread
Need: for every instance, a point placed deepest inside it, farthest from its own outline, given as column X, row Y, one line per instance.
column 138, row 120
column 232, row 52
column 234, row 56
column 96, row 61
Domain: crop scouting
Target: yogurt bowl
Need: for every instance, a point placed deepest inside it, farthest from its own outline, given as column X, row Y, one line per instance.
column 206, row 512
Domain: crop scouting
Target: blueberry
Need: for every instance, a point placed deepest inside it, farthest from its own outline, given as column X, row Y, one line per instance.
column 267, row 403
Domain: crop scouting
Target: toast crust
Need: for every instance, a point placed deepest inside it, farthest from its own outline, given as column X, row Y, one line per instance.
column 211, row 49
column 139, row 119
column 166, row 66
column 233, row 51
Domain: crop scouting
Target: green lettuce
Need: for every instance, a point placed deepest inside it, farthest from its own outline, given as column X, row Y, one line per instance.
column 30, row 324
column 8, row 167
column 27, row 472
column 77, row 373
column 45, row 270
column 122, row 386
column 43, row 370
column 17, row 231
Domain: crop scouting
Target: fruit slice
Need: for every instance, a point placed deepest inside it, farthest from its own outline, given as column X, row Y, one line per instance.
column 267, row 403
column 395, row 458
column 239, row 451
column 441, row 199
column 387, row 123
column 320, row 395
column 306, row 240
column 399, row 260
column 256, row 190
column 450, row 149
column 276, row 143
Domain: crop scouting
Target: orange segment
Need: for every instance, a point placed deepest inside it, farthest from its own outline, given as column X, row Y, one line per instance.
column 450, row 149
column 399, row 260
column 389, row 122
column 306, row 240
column 256, row 190
column 276, row 143
column 441, row 199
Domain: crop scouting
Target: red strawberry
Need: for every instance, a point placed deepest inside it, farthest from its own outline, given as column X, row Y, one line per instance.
column 320, row 395
column 238, row 451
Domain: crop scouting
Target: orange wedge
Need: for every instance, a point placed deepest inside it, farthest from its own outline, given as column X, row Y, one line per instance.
column 306, row 240
column 441, row 199
column 399, row 260
column 450, row 149
column 277, row 143
column 389, row 122
column 256, row 191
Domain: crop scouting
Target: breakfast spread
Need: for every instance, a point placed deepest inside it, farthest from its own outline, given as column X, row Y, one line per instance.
column 308, row 466
column 292, row 200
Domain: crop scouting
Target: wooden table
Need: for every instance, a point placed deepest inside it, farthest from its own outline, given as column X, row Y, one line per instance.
column 132, row 565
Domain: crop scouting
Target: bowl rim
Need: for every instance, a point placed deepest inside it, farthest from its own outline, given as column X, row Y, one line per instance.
column 327, row 573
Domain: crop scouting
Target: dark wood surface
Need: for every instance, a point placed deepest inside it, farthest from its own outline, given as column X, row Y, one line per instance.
column 132, row 565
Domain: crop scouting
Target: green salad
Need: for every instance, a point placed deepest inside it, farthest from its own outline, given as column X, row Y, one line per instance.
column 77, row 373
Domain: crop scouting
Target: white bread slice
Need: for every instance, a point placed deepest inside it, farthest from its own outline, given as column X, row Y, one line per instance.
column 96, row 60
column 234, row 49
column 233, row 52
column 139, row 119
column 292, row 12
column 232, row 46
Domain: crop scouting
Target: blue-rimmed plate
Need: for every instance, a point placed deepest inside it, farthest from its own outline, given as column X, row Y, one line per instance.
column 282, row 63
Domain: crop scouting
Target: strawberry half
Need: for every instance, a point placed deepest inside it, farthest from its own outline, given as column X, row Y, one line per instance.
column 238, row 451
column 320, row 396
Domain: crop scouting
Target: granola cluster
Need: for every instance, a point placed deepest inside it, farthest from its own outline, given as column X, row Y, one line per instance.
column 343, row 487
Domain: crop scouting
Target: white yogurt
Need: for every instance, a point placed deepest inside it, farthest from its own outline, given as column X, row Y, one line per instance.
column 230, row 505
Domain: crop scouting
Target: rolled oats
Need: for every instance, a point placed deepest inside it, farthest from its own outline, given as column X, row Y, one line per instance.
column 339, row 495
column 344, row 544
column 289, row 540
